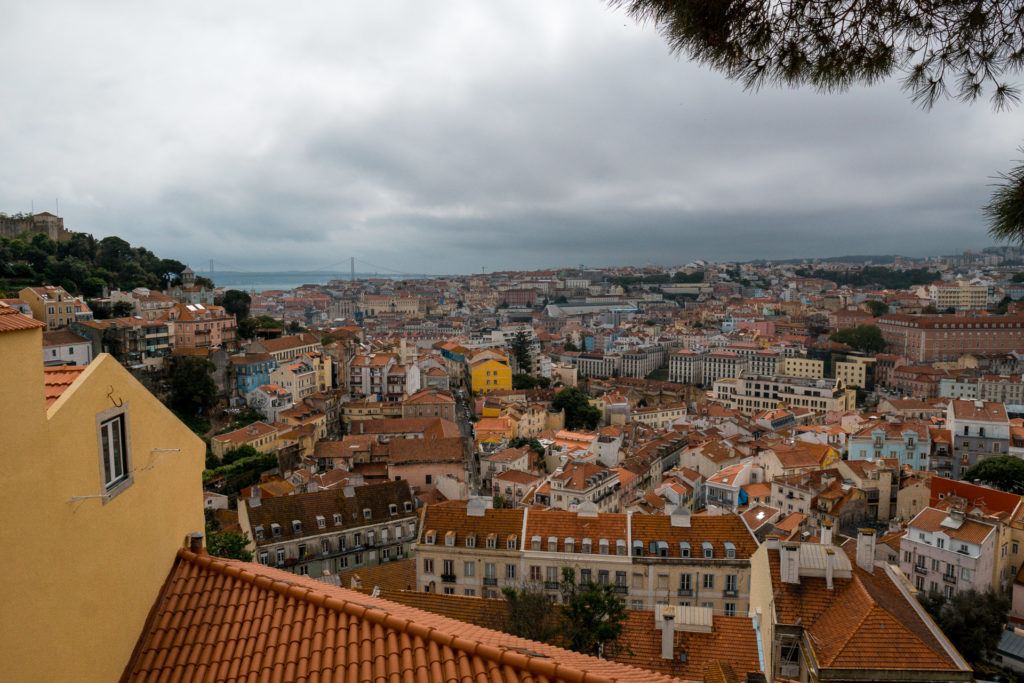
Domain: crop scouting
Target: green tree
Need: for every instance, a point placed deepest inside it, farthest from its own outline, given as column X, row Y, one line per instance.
column 530, row 613
column 1004, row 472
column 877, row 308
column 533, row 443
column 521, row 350
column 578, row 411
column 930, row 310
column 961, row 49
column 1018, row 277
column 972, row 620
column 569, row 344
column 236, row 303
column 240, row 453
column 122, row 309
column 866, row 338
column 192, row 389
column 592, row 615
column 229, row 544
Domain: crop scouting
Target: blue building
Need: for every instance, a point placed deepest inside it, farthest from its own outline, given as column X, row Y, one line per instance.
column 251, row 371
column 909, row 442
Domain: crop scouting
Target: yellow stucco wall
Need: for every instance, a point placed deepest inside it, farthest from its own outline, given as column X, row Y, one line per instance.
column 81, row 577
column 500, row 378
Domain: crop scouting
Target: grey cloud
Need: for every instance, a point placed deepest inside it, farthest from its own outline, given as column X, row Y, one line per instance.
column 512, row 134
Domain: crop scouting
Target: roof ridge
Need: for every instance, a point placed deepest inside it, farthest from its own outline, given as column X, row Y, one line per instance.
column 496, row 653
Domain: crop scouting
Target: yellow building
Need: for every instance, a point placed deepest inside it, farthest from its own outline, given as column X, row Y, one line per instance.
column 101, row 486
column 854, row 371
column 803, row 367
column 489, row 374
column 51, row 305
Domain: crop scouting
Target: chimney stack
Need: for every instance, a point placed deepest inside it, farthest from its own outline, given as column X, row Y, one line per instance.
column 830, row 566
column 668, row 630
column 826, row 532
column 194, row 542
column 789, row 563
column 866, row 550
column 254, row 496
column 680, row 517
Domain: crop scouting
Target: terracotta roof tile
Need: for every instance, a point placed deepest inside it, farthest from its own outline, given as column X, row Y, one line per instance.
column 12, row 320
column 229, row 621
column 57, row 379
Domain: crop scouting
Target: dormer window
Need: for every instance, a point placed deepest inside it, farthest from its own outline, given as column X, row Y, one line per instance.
column 510, row 543
column 620, row 547
column 430, row 537
column 587, row 546
column 337, row 519
column 471, row 541
column 603, row 546
column 259, row 532
column 296, row 526
column 392, row 509
column 492, row 541
column 684, row 549
column 730, row 551
column 661, row 547
column 367, row 514
column 449, row 539
column 408, row 506
column 321, row 523
column 552, row 544
column 709, row 551
column 535, row 543
column 638, row 548
column 275, row 530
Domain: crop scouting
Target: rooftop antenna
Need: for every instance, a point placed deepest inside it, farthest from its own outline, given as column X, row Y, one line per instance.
column 352, row 267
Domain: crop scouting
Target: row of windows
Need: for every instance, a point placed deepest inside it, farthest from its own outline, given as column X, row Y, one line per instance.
column 654, row 548
column 342, row 540
column 321, row 521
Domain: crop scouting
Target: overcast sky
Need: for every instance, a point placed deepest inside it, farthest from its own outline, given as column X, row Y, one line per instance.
column 449, row 136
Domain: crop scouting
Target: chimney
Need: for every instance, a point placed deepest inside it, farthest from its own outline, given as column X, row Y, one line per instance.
column 866, row 550
column 254, row 496
column 830, row 566
column 826, row 532
column 668, row 631
column 194, row 542
column 789, row 563
column 680, row 517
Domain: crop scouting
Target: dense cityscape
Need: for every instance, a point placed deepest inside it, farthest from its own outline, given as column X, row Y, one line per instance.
column 762, row 469
column 590, row 341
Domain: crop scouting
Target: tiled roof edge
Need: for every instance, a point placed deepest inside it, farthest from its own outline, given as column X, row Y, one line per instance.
column 539, row 667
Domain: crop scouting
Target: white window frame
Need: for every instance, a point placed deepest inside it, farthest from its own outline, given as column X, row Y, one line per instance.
column 106, row 420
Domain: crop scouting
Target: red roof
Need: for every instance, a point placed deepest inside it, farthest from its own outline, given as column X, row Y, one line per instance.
column 226, row 620
column 57, row 379
column 12, row 320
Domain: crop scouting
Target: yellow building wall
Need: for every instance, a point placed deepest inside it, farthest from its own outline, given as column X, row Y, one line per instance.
column 500, row 378
column 81, row 577
column 803, row 367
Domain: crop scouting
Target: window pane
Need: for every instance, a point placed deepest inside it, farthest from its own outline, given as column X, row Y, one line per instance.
column 117, row 449
column 105, row 438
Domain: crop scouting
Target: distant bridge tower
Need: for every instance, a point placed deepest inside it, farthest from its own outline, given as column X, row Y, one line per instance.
column 352, row 267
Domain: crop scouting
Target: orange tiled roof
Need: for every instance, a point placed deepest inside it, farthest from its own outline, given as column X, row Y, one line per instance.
column 227, row 620
column 12, row 320
column 732, row 640
column 57, row 379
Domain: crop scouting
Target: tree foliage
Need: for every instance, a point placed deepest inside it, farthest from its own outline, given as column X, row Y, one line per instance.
column 533, row 443
column 236, row 302
column 82, row 264
column 866, row 338
column 530, row 613
column 193, row 390
column 1005, row 472
column 242, row 472
column 592, row 615
column 229, row 544
column 972, row 620
column 874, row 276
column 524, row 381
column 122, row 309
column 877, row 308
column 578, row 411
column 522, row 352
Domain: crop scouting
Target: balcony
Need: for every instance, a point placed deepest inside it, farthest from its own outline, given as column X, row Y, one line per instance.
column 490, row 581
column 448, row 578
column 622, row 590
column 949, row 578
column 551, row 585
column 918, row 569
column 685, row 592
column 730, row 593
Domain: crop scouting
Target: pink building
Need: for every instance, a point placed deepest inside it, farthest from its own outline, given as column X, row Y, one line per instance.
column 199, row 325
column 948, row 552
